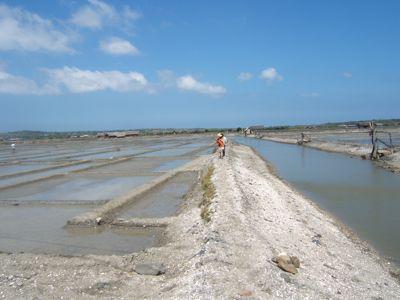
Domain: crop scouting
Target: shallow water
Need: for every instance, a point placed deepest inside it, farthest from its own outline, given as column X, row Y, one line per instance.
column 76, row 188
column 8, row 169
column 170, row 165
column 361, row 139
column 40, row 229
column 361, row 195
column 162, row 201
column 36, row 224
column 35, row 176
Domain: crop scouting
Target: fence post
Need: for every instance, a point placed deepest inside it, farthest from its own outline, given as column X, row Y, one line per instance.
column 374, row 154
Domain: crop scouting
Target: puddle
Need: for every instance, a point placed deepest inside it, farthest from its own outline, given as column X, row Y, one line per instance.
column 170, row 165
column 162, row 201
column 28, row 177
column 76, row 188
column 40, row 229
column 134, row 166
column 363, row 196
column 177, row 151
column 206, row 151
column 37, row 224
column 107, row 155
column 359, row 138
column 16, row 168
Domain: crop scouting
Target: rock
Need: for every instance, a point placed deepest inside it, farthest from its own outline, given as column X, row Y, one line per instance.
column 103, row 285
column 246, row 293
column 99, row 221
column 288, row 267
column 150, row 269
column 295, row 261
column 287, row 263
column 283, row 257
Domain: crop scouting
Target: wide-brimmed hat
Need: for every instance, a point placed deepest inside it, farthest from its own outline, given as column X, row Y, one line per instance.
column 219, row 134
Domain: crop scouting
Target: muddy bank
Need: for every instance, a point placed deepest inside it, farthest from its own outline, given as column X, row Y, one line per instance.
column 253, row 217
column 354, row 143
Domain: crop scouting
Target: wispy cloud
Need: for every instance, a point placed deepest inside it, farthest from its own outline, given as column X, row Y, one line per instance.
column 270, row 75
column 347, row 75
column 244, row 76
column 310, row 95
column 118, row 46
column 93, row 14
column 189, row 83
column 167, row 78
column 23, row 30
column 18, row 85
column 131, row 14
column 81, row 81
column 75, row 80
column 96, row 13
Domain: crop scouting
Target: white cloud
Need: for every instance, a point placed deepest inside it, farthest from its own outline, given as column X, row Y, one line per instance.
column 188, row 83
column 118, row 46
column 131, row 14
column 244, row 76
column 87, row 17
column 96, row 13
column 270, row 75
column 23, row 30
column 17, row 85
column 75, row 80
column 81, row 81
column 347, row 75
column 310, row 95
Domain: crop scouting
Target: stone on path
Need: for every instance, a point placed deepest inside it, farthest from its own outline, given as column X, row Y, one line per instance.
column 295, row 261
column 150, row 269
column 287, row 263
column 287, row 267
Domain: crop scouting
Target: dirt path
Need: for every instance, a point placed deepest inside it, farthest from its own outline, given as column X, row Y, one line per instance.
column 254, row 216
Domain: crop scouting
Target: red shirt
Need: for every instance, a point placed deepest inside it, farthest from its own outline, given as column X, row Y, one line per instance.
column 220, row 142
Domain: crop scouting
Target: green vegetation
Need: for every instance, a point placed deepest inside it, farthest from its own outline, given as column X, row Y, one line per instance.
column 208, row 194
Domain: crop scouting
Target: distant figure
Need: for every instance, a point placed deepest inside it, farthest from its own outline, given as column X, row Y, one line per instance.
column 225, row 140
column 220, row 144
column 13, row 147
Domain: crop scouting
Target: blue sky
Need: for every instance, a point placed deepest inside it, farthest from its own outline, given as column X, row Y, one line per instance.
column 94, row 65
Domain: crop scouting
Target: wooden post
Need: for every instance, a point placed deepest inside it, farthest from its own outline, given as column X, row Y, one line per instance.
column 374, row 154
column 390, row 141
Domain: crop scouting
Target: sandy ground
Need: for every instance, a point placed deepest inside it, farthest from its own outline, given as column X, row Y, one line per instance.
column 254, row 216
column 389, row 161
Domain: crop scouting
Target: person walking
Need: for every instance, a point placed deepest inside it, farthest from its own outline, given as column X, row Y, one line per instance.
column 225, row 140
column 220, row 145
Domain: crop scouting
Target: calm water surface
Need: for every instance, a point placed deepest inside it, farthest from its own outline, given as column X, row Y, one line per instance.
column 363, row 196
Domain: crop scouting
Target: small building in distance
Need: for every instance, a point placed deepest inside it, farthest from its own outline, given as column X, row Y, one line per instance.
column 254, row 129
column 118, row 134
